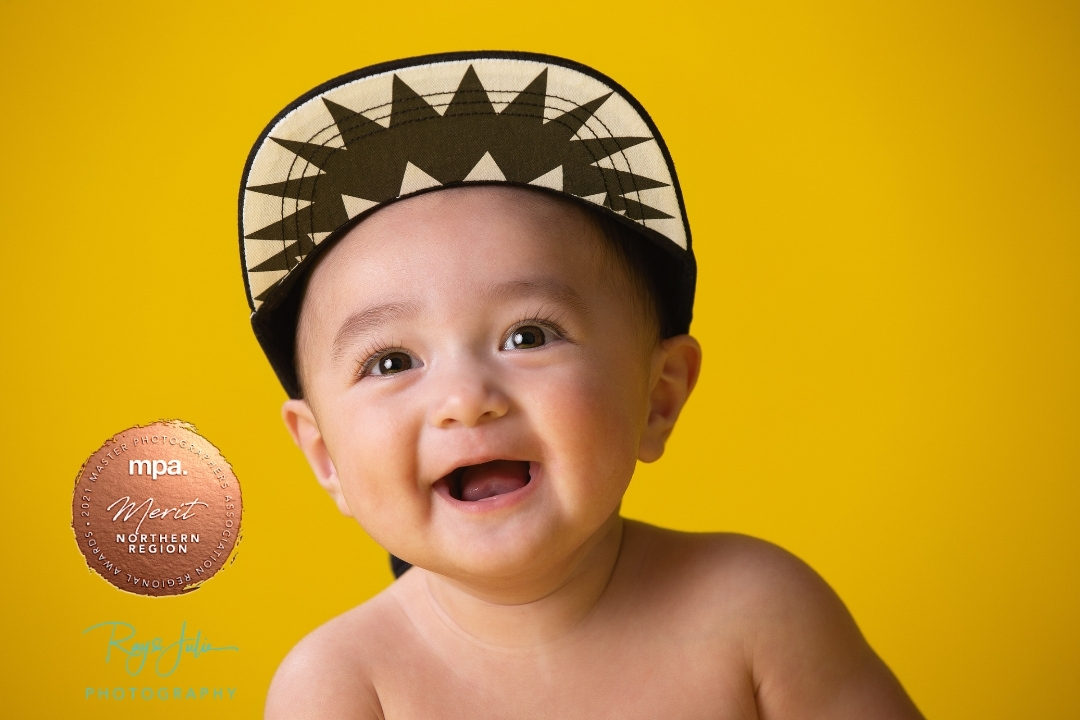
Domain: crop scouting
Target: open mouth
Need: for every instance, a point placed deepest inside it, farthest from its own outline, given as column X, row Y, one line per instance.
column 479, row 482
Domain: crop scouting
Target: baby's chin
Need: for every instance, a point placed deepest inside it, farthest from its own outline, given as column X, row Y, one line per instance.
column 523, row 560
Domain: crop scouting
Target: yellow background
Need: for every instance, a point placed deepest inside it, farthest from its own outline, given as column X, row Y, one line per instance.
column 885, row 201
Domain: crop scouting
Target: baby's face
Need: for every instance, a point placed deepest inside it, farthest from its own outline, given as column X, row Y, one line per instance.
column 475, row 371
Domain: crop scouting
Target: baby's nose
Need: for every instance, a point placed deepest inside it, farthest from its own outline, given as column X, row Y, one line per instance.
column 466, row 399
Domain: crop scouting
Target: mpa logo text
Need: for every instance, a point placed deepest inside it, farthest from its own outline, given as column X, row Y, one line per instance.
column 155, row 468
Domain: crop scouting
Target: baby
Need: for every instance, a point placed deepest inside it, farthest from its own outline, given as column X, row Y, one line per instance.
column 475, row 366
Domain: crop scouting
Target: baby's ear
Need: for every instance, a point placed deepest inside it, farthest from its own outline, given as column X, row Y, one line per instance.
column 675, row 368
column 305, row 433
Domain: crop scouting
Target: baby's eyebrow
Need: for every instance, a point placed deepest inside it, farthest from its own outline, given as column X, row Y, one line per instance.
column 553, row 290
column 364, row 321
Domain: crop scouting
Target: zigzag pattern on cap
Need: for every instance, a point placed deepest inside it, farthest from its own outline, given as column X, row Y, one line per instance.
column 363, row 163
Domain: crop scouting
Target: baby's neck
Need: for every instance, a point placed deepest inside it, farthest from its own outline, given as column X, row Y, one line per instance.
column 535, row 612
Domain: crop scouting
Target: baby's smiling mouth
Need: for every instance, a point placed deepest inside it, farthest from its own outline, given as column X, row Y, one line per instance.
column 496, row 477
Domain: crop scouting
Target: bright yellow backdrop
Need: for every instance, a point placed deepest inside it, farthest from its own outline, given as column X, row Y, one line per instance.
column 885, row 200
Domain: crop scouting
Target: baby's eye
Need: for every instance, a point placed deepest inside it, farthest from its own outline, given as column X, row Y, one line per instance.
column 389, row 363
column 525, row 337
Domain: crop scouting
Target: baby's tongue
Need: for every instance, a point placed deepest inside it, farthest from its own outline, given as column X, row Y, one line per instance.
column 493, row 478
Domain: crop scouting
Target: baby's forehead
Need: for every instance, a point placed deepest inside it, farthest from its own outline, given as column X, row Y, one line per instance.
column 502, row 220
column 478, row 240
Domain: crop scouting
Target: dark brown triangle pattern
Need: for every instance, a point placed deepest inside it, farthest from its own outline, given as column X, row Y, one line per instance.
column 372, row 163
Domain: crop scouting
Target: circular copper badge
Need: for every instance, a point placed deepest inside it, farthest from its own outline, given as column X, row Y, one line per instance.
column 157, row 509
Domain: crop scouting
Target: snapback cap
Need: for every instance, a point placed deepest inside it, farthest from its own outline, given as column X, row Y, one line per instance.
column 395, row 130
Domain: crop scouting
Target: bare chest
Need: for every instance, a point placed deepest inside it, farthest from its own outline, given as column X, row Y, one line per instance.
column 682, row 677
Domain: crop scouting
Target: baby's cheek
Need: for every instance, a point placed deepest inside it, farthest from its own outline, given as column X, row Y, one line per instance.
column 603, row 422
column 372, row 464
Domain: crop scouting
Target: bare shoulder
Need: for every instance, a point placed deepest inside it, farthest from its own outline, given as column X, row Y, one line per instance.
column 746, row 574
column 805, row 654
column 329, row 674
